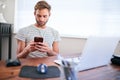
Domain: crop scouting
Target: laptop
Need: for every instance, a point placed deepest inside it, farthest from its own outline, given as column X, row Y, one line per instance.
column 97, row 52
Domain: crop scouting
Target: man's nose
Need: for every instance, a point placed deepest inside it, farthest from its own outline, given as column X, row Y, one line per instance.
column 41, row 18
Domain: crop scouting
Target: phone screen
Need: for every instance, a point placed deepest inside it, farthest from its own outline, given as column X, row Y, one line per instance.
column 38, row 39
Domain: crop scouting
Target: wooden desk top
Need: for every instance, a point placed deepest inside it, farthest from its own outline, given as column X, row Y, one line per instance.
column 109, row 72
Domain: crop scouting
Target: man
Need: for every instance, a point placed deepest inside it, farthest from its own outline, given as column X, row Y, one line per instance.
column 25, row 37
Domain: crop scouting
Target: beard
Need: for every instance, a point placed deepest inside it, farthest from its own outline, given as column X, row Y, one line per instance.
column 41, row 23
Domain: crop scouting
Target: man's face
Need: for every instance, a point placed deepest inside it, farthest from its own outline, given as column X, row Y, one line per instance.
column 42, row 17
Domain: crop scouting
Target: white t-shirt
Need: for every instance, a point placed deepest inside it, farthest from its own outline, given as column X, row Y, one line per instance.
column 49, row 35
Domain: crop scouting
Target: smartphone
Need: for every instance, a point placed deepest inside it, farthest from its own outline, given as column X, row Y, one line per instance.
column 38, row 39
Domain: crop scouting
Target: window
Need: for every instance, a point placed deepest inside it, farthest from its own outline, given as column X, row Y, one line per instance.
column 78, row 18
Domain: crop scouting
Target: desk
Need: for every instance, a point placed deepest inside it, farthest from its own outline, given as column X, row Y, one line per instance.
column 109, row 72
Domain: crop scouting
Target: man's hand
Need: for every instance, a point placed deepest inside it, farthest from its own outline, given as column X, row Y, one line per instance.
column 31, row 47
column 42, row 47
column 23, row 49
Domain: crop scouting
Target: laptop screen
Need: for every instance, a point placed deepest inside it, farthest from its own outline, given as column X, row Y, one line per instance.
column 97, row 52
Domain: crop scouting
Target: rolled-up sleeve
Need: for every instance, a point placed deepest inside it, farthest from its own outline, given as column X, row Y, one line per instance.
column 57, row 36
column 21, row 35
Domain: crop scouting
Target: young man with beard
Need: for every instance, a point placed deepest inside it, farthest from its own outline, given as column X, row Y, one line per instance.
column 25, row 37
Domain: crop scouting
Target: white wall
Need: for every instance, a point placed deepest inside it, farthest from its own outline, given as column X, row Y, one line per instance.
column 8, row 12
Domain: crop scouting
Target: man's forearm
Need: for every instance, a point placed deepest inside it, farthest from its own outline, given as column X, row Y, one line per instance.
column 52, row 53
column 23, row 54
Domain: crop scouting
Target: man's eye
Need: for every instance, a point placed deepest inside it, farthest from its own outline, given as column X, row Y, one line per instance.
column 44, row 16
column 38, row 16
